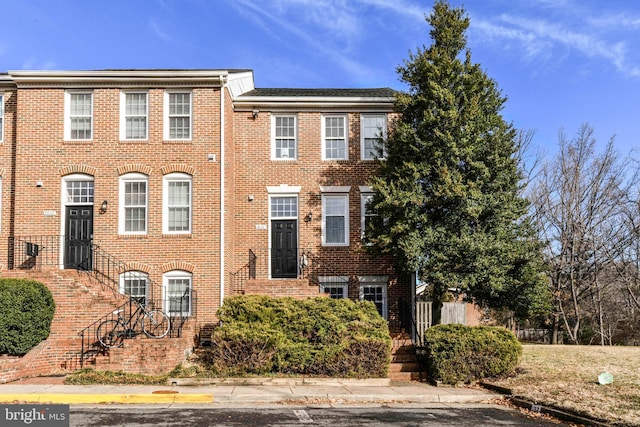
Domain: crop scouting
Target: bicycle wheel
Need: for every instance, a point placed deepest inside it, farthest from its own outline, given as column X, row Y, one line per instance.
column 111, row 333
column 156, row 323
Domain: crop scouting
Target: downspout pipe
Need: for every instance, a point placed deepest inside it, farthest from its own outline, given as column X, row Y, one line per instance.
column 222, row 187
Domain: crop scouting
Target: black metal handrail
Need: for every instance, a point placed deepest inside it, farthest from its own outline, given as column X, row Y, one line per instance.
column 33, row 252
column 308, row 266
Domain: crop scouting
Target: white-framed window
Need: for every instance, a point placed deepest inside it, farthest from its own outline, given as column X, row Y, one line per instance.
column 178, row 109
column 78, row 115
column 78, row 189
column 367, row 214
column 335, row 219
column 373, row 128
column 133, row 204
column 178, row 293
column 284, row 207
column 134, row 113
column 374, row 289
column 335, row 287
column 284, row 137
column 135, row 284
column 1, row 117
column 335, row 137
column 176, row 218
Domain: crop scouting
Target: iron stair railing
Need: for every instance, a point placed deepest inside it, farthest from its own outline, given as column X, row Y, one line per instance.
column 35, row 251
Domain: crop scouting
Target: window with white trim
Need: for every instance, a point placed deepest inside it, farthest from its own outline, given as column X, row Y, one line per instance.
column 335, row 287
column 284, row 207
column 78, row 115
column 335, row 219
column 1, row 117
column 177, row 204
column 373, row 129
column 133, row 203
column 334, row 137
column 368, row 214
column 135, row 284
column 178, row 115
column 79, row 189
column 134, row 113
column 376, row 292
column 284, row 144
column 178, row 292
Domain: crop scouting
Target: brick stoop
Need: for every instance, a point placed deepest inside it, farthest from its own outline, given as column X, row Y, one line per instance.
column 404, row 362
column 80, row 301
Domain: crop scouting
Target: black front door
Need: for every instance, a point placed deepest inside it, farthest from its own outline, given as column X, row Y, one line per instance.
column 284, row 249
column 78, row 235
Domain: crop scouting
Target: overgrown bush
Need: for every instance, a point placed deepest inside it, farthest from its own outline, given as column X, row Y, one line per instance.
column 26, row 312
column 320, row 336
column 457, row 353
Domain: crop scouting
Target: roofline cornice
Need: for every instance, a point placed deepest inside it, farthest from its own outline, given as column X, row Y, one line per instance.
column 312, row 102
column 118, row 77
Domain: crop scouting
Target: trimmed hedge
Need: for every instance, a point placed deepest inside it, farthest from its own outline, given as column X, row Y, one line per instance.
column 319, row 336
column 26, row 312
column 457, row 353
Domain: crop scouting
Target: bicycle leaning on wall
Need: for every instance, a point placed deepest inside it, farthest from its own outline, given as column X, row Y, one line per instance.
column 113, row 332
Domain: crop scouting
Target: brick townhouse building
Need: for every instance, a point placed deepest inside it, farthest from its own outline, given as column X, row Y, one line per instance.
column 183, row 187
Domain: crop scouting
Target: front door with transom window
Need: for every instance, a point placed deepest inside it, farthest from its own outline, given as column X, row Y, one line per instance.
column 284, row 249
column 78, row 235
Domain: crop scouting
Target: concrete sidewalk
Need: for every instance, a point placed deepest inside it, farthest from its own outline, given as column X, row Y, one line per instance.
column 243, row 392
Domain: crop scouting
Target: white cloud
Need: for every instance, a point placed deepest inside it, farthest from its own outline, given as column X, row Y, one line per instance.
column 158, row 31
column 542, row 39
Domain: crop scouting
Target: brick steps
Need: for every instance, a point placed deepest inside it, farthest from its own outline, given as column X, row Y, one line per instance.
column 80, row 301
column 404, row 362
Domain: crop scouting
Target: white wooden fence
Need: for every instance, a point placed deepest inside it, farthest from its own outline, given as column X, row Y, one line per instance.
column 452, row 312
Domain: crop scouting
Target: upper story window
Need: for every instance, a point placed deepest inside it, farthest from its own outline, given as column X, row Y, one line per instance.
column 178, row 115
column 335, row 219
column 78, row 115
column 373, row 128
column 334, row 137
column 133, row 203
column 1, row 117
column 368, row 214
column 177, row 204
column 284, row 144
column 134, row 113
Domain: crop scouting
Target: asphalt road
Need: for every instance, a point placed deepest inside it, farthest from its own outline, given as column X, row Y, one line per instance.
column 456, row 415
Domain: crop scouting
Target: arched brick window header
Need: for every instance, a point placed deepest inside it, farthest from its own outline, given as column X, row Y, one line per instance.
column 82, row 169
column 178, row 167
column 132, row 168
column 178, row 265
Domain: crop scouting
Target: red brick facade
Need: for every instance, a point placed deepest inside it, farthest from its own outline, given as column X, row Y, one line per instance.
column 228, row 162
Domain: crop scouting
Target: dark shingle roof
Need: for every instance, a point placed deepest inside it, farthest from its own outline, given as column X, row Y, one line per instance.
column 291, row 92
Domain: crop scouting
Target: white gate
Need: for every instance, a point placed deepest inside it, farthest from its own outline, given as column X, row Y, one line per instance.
column 423, row 319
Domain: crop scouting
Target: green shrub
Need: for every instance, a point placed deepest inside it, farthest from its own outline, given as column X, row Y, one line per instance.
column 457, row 353
column 318, row 336
column 26, row 312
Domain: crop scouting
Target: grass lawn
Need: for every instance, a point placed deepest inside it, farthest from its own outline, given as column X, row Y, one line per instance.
column 567, row 377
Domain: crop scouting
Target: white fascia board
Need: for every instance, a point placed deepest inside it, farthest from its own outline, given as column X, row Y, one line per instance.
column 43, row 78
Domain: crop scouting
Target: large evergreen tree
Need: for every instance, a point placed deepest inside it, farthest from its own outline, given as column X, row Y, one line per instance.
column 449, row 187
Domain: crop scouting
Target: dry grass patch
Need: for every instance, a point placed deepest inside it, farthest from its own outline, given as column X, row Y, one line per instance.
column 567, row 377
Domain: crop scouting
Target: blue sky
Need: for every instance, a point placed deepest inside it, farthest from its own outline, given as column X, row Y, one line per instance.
column 561, row 63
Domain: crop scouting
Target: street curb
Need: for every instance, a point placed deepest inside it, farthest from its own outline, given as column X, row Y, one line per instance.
column 89, row 398
column 291, row 382
column 559, row 413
